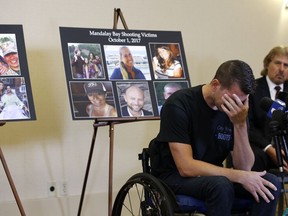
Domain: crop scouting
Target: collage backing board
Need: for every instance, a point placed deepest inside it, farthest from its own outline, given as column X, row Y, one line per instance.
column 105, row 74
column 16, row 101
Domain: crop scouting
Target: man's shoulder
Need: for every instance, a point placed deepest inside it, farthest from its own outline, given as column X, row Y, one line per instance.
column 286, row 85
column 183, row 103
column 124, row 111
column 261, row 84
column 187, row 93
column 261, row 79
column 147, row 113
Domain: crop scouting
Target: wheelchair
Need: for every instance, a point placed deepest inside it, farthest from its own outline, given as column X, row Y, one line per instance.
column 145, row 195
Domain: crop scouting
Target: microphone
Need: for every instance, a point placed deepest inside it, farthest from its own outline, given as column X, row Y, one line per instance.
column 283, row 96
column 274, row 130
column 269, row 106
column 281, row 118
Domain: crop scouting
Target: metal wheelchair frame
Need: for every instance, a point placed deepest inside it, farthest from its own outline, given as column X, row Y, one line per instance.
column 143, row 194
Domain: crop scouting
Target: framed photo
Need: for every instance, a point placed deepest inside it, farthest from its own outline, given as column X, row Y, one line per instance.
column 86, row 61
column 134, row 67
column 140, row 61
column 134, row 97
column 92, row 99
column 16, row 101
column 164, row 89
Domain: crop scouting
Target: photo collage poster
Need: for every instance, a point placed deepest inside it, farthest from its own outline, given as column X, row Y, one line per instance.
column 122, row 73
column 16, row 101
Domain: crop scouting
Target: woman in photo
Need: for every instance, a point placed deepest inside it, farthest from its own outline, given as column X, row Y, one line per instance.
column 127, row 70
column 165, row 66
column 12, row 106
column 86, row 68
column 1, row 94
column 5, row 70
column 98, row 107
column 93, row 68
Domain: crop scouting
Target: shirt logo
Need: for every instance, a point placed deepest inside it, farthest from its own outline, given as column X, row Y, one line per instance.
column 223, row 133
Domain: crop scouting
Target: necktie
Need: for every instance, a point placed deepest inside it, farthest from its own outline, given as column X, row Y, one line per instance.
column 277, row 88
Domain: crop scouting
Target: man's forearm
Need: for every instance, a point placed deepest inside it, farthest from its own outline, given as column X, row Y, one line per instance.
column 242, row 155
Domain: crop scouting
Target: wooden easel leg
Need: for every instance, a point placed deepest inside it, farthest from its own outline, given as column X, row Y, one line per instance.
column 87, row 170
column 110, row 189
column 117, row 14
column 18, row 201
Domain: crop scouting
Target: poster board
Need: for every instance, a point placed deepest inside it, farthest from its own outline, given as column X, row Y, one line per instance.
column 107, row 79
column 16, row 101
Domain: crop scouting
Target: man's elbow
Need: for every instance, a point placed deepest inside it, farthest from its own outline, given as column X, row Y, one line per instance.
column 182, row 173
column 186, row 172
column 245, row 166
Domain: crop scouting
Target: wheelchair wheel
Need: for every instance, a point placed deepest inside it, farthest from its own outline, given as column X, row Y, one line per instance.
column 143, row 195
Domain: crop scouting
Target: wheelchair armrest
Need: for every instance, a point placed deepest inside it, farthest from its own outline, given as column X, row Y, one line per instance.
column 145, row 157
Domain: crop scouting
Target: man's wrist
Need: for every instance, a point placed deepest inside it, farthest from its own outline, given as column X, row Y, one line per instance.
column 268, row 146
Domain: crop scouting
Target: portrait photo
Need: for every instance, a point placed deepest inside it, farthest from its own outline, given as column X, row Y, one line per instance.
column 9, row 59
column 127, row 62
column 164, row 89
column 166, row 61
column 14, row 103
column 134, row 99
column 86, row 61
column 92, row 99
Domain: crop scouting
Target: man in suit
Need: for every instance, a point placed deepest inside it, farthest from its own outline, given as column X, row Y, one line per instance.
column 275, row 73
column 134, row 97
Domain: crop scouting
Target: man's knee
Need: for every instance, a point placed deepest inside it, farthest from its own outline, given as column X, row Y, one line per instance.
column 220, row 196
column 222, row 186
column 275, row 181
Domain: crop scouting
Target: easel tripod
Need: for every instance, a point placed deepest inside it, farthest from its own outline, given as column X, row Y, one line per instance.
column 18, row 201
column 111, row 123
column 105, row 122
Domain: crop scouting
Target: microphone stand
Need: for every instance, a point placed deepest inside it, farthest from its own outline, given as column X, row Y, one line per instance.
column 284, row 147
column 275, row 131
column 279, row 138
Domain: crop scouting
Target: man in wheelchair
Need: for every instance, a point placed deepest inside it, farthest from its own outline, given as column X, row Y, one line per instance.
column 199, row 127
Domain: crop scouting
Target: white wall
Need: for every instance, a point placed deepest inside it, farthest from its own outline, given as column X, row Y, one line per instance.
column 55, row 148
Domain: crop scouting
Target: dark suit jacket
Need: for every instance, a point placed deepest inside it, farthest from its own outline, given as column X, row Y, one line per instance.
column 126, row 113
column 258, row 121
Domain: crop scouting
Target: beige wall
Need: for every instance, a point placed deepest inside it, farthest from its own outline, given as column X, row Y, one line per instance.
column 55, row 148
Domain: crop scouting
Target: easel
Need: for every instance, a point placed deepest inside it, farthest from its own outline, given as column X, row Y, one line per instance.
column 18, row 201
column 117, row 14
column 107, row 122
column 99, row 122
